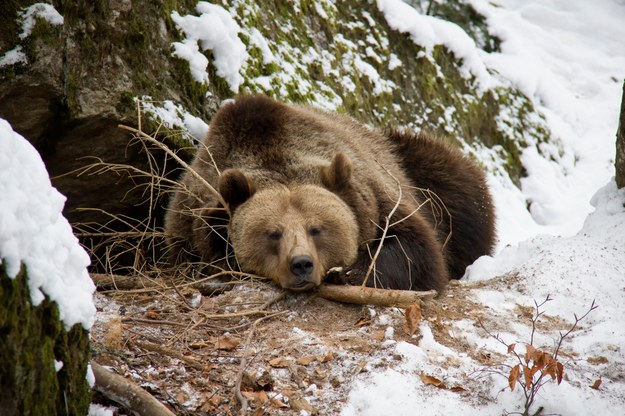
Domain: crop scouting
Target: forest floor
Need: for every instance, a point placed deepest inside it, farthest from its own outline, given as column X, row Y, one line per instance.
column 292, row 355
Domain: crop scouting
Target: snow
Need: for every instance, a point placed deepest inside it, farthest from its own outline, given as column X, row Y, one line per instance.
column 38, row 11
column 174, row 116
column 28, row 18
column 99, row 410
column 568, row 57
column 258, row 40
column 13, row 56
column 574, row 271
column 34, row 232
column 429, row 31
column 214, row 29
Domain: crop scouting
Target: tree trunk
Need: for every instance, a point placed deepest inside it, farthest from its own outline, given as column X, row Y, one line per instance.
column 32, row 338
column 620, row 146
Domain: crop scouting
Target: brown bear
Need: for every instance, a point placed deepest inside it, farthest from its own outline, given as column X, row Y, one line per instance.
column 306, row 191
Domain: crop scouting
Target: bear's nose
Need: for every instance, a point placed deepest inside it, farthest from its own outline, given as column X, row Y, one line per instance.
column 302, row 266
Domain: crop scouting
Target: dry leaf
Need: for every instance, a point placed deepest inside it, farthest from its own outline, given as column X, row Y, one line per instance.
column 327, row 357
column 432, row 381
column 181, row 397
column 280, row 362
column 249, row 382
column 559, row 372
column 511, row 348
column 302, row 404
column 363, row 321
column 198, row 345
column 378, row 335
column 597, row 360
column 226, row 342
column 306, row 360
column 151, row 315
column 529, row 377
column 515, row 374
column 413, row 318
column 277, row 403
column 289, row 393
column 256, row 396
column 113, row 337
column 529, row 353
column 211, row 402
column 550, row 368
column 361, row 366
column 596, row 384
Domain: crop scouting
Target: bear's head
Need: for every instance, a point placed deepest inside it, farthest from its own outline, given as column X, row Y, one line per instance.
column 292, row 234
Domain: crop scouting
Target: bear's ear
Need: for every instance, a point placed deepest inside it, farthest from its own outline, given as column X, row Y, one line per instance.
column 337, row 176
column 235, row 188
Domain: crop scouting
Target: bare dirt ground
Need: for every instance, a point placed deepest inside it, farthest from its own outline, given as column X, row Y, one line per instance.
column 287, row 354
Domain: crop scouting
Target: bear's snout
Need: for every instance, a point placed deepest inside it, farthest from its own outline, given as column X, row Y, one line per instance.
column 302, row 266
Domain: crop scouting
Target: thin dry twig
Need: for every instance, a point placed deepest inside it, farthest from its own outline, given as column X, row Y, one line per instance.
column 248, row 340
column 171, row 153
column 386, row 227
column 166, row 351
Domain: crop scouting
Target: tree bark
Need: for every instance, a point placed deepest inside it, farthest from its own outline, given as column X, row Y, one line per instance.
column 619, row 163
column 33, row 342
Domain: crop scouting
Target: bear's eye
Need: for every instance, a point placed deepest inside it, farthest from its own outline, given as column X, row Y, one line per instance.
column 314, row 231
column 275, row 235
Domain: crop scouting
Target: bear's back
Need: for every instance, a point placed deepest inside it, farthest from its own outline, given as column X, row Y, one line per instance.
column 275, row 142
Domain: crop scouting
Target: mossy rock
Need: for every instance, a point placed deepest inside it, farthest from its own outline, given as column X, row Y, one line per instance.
column 31, row 339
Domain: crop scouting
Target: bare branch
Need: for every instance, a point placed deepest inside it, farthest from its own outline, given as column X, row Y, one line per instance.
column 171, row 153
column 372, row 296
column 386, row 227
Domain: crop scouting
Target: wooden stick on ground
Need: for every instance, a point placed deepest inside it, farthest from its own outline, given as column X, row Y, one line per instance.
column 126, row 393
column 371, row 296
column 339, row 293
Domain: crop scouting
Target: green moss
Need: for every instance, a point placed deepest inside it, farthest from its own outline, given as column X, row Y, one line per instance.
column 315, row 44
column 31, row 338
column 9, row 26
column 315, row 57
column 465, row 16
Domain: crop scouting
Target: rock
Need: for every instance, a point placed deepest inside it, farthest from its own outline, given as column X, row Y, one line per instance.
column 76, row 88
column 82, row 77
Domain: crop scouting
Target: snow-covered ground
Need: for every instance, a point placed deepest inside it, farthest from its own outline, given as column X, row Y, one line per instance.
column 569, row 58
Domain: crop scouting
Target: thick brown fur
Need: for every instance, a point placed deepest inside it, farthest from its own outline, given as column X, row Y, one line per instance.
column 306, row 189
